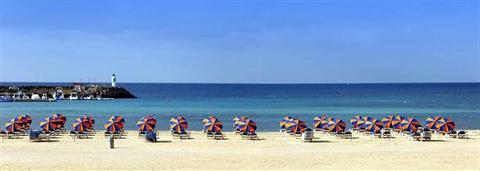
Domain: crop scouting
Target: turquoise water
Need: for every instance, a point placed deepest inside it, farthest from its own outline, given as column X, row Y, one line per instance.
column 268, row 103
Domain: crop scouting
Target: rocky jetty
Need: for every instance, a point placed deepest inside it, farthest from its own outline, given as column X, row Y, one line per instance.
column 82, row 91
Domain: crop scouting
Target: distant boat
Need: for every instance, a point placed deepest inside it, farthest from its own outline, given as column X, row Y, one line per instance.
column 6, row 99
column 22, row 97
column 73, row 96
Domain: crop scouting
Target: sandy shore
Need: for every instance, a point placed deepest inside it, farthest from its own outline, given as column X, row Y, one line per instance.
column 275, row 151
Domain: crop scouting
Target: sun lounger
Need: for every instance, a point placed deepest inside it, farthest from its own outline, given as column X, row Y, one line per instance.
column 3, row 134
column 348, row 135
column 79, row 135
column 23, row 132
column 386, row 133
column 376, row 134
column 415, row 136
column 307, row 136
column 249, row 136
column 339, row 134
column 209, row 134
column 39, row 136
column 360, row 130
column 217, row 136
column 11, row 135
column 452, row 134
column 425, row 134
column 462, row 134
column 60, row 131
column 297, row 135
column 91, row 132
column 116, row 134
column 142, row 134
column 182, row 135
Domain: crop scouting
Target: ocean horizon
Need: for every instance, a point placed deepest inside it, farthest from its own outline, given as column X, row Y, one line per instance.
column 265, row 103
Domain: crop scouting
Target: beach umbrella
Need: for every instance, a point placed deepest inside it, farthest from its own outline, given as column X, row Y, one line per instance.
column 431, row 122
column 237, row 120
column 88, row 121
column 324, row 123
column 410, row 124
column 297, row 126
column 247, row 125
column 373, row 125
column 111, row 127
column 336, row 125
column 212, row 124
column 205, row 120
column 11, row 127
column 26, row 120
column 78, row 125
column 363, row 120
column 284, row 122
column 114, row 123
column 48, row 125
column 18, row 123
column 355, row 121
column 183, row 122
column 445, row 125
column 388, row 121
column 317, row 121
column 147, row 123
column 178, row 124
column 60, row 117
column 396, row 122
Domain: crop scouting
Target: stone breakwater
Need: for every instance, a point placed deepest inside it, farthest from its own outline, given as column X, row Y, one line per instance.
column 82, row 91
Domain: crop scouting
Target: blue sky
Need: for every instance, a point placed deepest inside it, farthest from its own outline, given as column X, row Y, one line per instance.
column 241, row 41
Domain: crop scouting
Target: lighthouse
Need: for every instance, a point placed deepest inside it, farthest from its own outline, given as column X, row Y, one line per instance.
column 114, row 80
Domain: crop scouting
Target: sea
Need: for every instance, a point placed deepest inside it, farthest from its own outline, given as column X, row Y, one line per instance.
column 266, row 104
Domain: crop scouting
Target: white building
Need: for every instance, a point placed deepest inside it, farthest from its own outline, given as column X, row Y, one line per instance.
column 114, row 80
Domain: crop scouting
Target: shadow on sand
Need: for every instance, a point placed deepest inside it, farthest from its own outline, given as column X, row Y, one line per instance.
column 319, row 141
column 45, row 141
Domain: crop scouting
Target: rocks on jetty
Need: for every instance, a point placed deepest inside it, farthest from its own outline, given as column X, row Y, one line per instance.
column 80, row 91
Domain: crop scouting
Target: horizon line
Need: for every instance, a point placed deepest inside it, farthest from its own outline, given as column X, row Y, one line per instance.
column 446, row 82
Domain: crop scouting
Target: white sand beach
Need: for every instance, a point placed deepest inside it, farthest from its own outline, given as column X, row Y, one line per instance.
column 275, row 151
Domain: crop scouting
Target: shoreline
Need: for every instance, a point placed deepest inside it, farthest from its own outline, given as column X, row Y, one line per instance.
column 274, row 151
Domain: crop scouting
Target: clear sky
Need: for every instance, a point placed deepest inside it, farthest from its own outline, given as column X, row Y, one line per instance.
column 241, row 41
